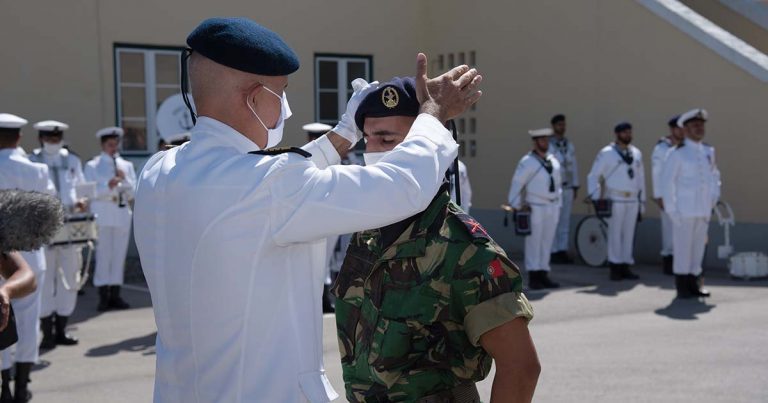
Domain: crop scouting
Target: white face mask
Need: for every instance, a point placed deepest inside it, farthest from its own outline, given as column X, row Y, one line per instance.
column 373, row 158
column 274, row 136
column 52, row 148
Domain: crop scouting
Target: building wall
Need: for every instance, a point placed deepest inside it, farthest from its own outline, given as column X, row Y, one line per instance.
column 597, row 61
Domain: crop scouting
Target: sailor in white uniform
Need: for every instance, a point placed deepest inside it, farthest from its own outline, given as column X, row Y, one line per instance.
column 17, row 172
column 537, row 186
column 465, row 188
column 63, row 262
column 565, row 151
column 690, row 190
column 230, row 230
column 115, row 182
column 661, row 151
column 620, row 166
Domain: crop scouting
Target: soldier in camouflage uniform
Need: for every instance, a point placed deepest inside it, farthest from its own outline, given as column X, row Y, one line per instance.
column 414, row 298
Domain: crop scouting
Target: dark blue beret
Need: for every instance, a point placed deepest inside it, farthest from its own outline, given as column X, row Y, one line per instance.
column 394, row 98
column 243, row 45
column 621, row 127
column 673, row 122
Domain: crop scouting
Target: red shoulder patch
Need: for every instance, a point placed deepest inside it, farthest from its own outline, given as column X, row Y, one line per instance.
column 495, row 270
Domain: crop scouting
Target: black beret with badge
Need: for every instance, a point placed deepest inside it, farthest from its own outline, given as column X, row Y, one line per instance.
column 243, row 45
column 396, row 97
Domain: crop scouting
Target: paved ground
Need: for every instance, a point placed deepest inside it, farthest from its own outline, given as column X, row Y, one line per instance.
column 598, row 342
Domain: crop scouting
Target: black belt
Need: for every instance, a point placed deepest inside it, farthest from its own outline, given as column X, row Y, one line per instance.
column 465, row 393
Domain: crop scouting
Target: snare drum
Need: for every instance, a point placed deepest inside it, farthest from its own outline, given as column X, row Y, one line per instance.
column 77, row 229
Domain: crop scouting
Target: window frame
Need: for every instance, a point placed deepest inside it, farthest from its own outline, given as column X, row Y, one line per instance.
column 150, row 88
column 342, row 78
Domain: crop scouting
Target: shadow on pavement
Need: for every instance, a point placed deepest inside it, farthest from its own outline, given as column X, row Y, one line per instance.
column 611, row 289
column 685, row 309
column 144, row 344
column 86, row 304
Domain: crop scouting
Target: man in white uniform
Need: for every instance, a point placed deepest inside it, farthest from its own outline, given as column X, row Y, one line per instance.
column 115, row 181
column 466, row 188
column 565, row 152
column 17, row 172
column 690, row 190
column 63, row 262
column 537, row 187
column 660, row 153
column 619, row 166
column 229, row 231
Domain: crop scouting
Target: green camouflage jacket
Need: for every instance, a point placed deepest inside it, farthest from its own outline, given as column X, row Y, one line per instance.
column 410, row 315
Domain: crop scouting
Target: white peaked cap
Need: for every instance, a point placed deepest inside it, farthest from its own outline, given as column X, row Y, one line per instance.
column 692, row 114
column 8, row 121
column 541, row 132
column 110, row 131
column 50, row 126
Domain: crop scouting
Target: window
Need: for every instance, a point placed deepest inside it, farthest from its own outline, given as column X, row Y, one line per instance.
column 333, row 78
column 144, row 78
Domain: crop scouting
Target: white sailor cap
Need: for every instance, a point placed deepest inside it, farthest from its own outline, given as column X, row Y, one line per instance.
column 172, row 138
column 541, row 132
column 110, row 131
column 51, row 126
column 8, row 121
column 692, row 114
column 316, row 127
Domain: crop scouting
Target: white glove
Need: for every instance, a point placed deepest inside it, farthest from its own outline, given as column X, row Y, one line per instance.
column 346, row 127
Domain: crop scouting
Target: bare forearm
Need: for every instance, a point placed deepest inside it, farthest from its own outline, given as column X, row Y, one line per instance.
column 341, row 144
column 19, row 278
column 513, row 385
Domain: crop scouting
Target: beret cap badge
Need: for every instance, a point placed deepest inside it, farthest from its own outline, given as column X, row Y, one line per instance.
column 390, row 97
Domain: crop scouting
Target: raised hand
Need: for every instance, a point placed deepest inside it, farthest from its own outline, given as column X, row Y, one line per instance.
column 448, row 95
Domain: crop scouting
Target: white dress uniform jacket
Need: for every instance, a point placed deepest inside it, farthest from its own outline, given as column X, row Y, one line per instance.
column 565, row 152
column 690, row 189
column 531, row 187
column 66, row 172
column 17, row 172
column 229, row 243
column 660, row 153
column 101, row 169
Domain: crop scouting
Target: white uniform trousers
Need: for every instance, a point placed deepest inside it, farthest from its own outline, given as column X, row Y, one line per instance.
column 60, row 287
column 689, row 241
column 563, row 232
column 110, row 255
column 666, row 234
column 621, row 231
column 27, row 311
column 538, row 244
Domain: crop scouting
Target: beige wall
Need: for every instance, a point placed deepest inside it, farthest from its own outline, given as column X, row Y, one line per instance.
column 600, row 62
column 597, row 61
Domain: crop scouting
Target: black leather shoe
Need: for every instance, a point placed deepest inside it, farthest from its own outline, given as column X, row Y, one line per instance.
column 5, row 393
column 46, row 325
column 103, row 299
column 695, row 284
column 615, row 272
column 115, row 301
column 534, row 280
column 683, row 287
column 548, row 283
column 21, row 394
column 62, row 337
column 626, row 273
column 666, row 263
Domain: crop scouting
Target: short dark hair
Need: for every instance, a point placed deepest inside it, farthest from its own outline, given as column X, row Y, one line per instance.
column 673, row 121
column 108, row 137
column 9, row 137
column 622, row 127
column 557, row 118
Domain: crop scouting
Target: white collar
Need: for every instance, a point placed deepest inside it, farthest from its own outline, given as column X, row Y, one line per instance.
column 223, row 134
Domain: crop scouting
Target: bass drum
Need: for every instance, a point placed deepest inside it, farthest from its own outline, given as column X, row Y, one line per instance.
column 592, row 241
